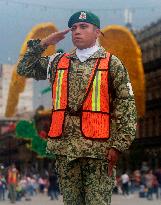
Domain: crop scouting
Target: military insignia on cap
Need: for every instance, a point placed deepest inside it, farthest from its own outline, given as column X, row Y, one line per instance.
column 82, row 15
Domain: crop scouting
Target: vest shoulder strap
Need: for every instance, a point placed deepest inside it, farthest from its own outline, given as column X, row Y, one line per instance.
column 101, row 64
column 104, row 62
column 64, row 62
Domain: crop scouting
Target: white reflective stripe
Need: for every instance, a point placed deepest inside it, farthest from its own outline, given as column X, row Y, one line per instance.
column 51, row 58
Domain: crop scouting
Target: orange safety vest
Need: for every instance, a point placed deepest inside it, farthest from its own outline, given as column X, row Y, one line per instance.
column 94, row 110
column 12, row 176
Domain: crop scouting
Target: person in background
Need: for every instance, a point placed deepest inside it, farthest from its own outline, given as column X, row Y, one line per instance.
column 2, row 187
column 12, row 181
column 125, row 183
column 149, row 180
column 53, row 188
column 158, row 177
column 42, row 183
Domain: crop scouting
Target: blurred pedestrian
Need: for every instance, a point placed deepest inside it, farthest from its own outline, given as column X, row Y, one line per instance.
column 125, row 183
column 149, row 180
column 137, row 179
column 158, row 176
column 156, row 187
column 53, row 189
column 41, row 182
column 2, row 187
column 12, row 182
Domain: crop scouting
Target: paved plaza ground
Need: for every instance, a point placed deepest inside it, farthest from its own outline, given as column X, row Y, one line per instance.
column 116, row 200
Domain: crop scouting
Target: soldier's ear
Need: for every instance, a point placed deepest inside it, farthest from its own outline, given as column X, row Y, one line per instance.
column 98, row 32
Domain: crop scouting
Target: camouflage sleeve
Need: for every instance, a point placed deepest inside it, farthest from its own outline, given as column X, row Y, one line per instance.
column 32, row 64
column 53, row 62
column 123, row 117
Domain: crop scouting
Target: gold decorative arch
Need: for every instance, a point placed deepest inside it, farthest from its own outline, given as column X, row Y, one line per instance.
column 17, row 84
column 119, row 41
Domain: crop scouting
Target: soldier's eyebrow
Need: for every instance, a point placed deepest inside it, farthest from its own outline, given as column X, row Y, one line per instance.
column 83, row 24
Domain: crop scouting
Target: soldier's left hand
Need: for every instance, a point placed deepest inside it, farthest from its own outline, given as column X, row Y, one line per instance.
column 112, row 158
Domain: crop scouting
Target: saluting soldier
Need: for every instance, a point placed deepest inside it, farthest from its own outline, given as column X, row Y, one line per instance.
column 94, row 113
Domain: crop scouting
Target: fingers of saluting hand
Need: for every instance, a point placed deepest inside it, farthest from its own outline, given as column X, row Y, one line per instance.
column 61, row 35
column 54, row 38
column 66, row 31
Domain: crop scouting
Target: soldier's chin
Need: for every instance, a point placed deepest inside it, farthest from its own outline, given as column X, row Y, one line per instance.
column 78, row 45
column 81, row 47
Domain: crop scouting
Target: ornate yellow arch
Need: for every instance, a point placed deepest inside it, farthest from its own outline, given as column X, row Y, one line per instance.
column 121, row 42
column 18, row 82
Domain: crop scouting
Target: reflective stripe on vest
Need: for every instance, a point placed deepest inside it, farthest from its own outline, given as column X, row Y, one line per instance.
column 60, row 84
column 58, row 89
column 95, row 105
column 95, row 117
column 96, row 92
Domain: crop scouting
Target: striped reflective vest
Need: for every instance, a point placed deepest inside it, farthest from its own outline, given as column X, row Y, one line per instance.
column 94, row 110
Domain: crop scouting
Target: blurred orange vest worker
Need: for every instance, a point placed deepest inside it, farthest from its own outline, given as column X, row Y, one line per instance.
column 94, row 110
column 12, row 176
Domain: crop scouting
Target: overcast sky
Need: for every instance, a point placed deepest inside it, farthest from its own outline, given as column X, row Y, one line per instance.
column 17, row 17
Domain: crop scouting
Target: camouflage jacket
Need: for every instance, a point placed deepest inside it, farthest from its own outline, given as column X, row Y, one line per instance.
column 123, row 111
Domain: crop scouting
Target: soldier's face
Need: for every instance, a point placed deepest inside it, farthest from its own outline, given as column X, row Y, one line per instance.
column 84, row 35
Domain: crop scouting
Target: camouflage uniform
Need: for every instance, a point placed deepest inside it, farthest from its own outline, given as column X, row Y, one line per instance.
column 74, row 152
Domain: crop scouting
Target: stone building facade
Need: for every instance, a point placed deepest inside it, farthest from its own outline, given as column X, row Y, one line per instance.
column 149, row 127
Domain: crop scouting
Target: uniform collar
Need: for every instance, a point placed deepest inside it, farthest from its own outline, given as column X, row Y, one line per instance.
column 101, row 53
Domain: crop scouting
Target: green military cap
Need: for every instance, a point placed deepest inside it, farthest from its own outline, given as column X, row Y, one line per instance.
column 84, row 16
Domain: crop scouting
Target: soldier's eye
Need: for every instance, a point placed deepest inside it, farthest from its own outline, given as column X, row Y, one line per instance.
column 73, row 28
column 83, row 26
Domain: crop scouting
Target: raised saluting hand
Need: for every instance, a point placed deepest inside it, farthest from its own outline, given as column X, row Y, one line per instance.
column 54, row 38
